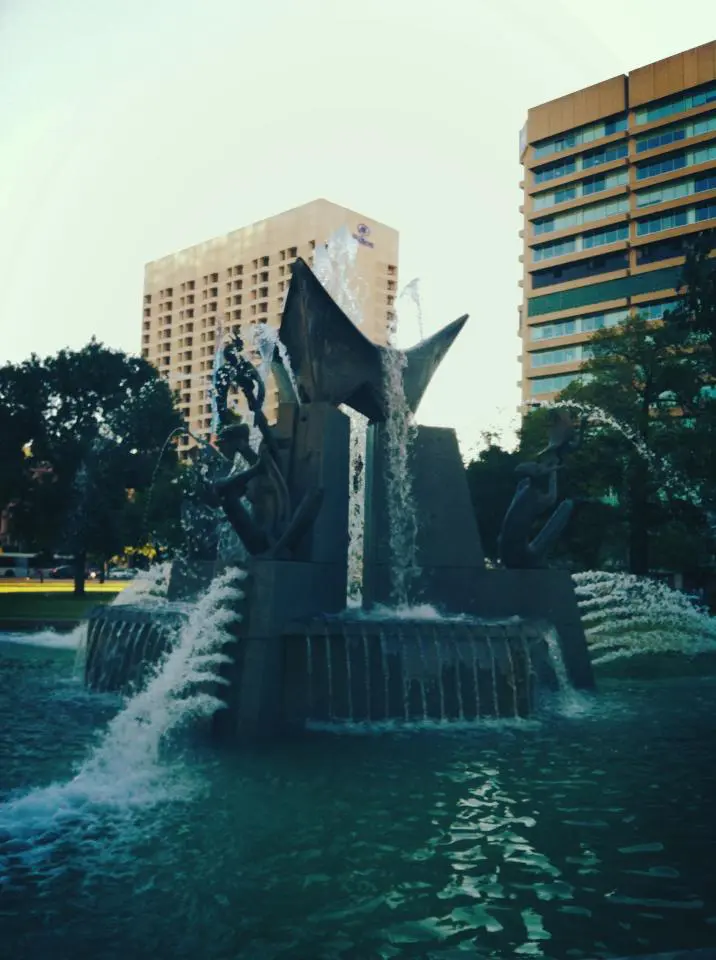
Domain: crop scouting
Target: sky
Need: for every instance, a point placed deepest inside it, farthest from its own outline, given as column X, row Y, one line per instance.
column 131, row 130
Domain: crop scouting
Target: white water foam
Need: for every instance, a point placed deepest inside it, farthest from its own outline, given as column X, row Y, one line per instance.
column 56, row 639
column 148, row 587
column 421, row 611
column 386, row 727
column 625, row 616
column 334, row 265
column 125, row 771
column 570, row 702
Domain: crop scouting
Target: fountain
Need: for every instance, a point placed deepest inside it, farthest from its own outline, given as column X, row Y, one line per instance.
column 439, row 637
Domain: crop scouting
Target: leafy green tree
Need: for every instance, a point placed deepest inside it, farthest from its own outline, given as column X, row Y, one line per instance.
column 491, row 480
column 98, row 420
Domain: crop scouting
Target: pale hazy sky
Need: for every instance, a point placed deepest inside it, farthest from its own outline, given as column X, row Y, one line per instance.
column 121, row 142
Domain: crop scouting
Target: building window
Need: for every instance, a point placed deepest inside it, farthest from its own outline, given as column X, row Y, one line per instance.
column 579, row 136
column 147, row 298
column 656, row 311
column 554, row 171
column 580, row 270
column 676, row 161
column 595, row 158
column 215, row 278
column 587, row 323
column 676, row 189
column 676, row 218
column 586, row 214
column 264, row 261
column 676, row 104
column 542, row 385
column 548, row 358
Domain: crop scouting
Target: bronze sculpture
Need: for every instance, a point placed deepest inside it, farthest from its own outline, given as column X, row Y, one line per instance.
column 271, row 524
column 533, row 498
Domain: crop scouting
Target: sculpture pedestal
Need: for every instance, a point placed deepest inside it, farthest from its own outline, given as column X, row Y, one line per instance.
column 277, row 593
column 546, row 595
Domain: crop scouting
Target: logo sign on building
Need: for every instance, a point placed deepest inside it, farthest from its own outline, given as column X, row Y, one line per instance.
column 362, row 235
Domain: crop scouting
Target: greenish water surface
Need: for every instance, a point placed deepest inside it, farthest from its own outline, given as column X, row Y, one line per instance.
column 590, row 835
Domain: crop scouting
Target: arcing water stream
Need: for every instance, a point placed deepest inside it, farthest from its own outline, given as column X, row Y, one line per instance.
column 334, row 266
column 125, row 770
column 626, row 616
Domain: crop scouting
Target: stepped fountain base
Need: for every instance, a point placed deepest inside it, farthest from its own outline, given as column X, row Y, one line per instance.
column 293, row 669
column 124, row 643
column 372, row 672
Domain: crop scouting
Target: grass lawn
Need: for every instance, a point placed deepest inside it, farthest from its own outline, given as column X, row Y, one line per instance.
column 39, row 605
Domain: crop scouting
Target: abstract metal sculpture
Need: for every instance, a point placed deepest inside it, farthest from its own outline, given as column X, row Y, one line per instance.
column 334, row 362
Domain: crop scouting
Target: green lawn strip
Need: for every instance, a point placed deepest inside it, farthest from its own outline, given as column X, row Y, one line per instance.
column 49, row 606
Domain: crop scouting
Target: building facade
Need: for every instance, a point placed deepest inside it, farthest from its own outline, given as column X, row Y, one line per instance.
column 616, row 178
column 195, row 298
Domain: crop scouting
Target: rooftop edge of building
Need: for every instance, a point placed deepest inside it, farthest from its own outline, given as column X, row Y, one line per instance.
column 318, row 203
column 661, row 78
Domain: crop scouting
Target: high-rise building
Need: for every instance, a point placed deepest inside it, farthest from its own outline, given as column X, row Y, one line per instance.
column 617, row 177
column 197, row 296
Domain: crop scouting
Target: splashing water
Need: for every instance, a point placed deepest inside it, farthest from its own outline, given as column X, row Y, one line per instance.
column 400, row 432
column 570, row 702
column 661, row 466
column 625, row 616
column 125, row 771
column 148, row 587
column 356, row 505
column 411, row 294
column 334, row 265
column 266, row 342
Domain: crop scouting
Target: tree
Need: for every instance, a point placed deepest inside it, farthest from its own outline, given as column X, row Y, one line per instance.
column 652, row 383
column 98, row 421
column 491, row 480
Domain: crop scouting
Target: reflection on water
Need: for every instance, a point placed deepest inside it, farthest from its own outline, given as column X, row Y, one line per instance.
column 583, row 837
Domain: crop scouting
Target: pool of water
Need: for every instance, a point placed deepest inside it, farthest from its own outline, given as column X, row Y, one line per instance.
column 582, row 835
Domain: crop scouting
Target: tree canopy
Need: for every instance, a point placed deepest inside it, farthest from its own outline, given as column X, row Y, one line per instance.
column 94, row 423
column 644, row 480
